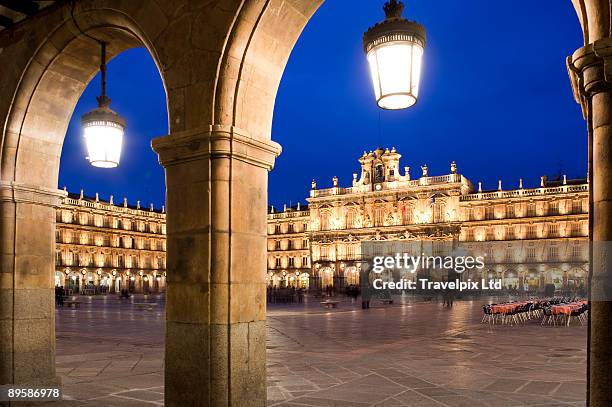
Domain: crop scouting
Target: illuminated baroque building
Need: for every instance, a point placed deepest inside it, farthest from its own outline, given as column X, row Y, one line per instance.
column 531, row 237
column 104, row 248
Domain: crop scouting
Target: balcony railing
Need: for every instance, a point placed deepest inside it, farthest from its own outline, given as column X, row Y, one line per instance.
column 480, row 196
column 289, row 214
column 389, row 186
column 113, row 208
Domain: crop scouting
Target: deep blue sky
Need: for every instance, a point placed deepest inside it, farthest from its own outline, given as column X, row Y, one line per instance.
column 495, row 97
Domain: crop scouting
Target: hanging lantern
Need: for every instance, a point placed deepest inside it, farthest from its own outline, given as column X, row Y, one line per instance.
column 103, row 128
column 394, row 49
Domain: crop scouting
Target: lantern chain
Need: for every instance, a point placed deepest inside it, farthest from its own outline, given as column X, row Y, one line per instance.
column 103, row 100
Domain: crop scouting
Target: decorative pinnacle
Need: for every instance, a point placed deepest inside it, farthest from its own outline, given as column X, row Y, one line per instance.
column 393, row 9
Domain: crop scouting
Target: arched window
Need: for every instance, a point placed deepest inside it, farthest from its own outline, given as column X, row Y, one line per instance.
column 379, row 173
column 407, row 215
column 324, row 221
column 350, row 219
column 379, row 216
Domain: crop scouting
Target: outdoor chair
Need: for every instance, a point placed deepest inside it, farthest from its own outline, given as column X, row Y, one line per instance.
column 548, row 316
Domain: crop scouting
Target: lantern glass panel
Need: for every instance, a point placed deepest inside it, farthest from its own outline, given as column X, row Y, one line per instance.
column 396, row 71
column 104, row 141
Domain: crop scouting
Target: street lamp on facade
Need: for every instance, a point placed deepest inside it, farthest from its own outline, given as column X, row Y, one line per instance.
column 103, row 128
column 394, row 49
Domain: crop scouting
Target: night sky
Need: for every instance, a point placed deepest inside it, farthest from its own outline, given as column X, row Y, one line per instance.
column 495, row 97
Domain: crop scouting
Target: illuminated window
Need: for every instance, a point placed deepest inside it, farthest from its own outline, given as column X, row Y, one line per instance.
column 553, row 208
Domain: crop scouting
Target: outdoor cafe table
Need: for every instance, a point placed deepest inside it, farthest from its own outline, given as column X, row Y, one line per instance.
column 566, row 308
column 506, row 308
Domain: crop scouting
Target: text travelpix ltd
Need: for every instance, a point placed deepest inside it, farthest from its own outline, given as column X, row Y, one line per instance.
column 407, row 263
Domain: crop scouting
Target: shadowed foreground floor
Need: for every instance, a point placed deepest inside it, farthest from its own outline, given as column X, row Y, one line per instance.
column 110, row 353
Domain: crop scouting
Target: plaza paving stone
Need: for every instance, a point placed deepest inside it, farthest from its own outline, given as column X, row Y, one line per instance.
column 110, row 353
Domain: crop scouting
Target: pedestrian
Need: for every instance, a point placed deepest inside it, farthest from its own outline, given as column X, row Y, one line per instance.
column 61, row 296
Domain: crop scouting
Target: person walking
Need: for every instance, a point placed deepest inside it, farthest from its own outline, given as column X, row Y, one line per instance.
column 62, row 293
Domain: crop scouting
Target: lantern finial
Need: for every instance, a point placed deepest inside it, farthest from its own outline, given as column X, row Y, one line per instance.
column 393, row 9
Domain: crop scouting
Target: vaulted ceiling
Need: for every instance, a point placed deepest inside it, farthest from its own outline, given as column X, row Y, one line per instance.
column 13, row 11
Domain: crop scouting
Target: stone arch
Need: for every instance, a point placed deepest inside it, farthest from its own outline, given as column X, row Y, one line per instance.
column 61, row 65
column 259, row 45
column 221, row 63
column 46, row 64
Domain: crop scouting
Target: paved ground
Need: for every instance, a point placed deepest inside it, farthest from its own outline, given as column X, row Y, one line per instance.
column 111, row 354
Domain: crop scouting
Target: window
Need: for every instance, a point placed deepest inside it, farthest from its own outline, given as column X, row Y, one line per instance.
column 577, row 252
column 489, row 213
column 553, row 253
column 305, row 244
column 291, row 261
column 278, row 262
column 379, row 217
column 577, row 206
column 290, row 228
column 407, row 215
column 439, row 209
column 290, row 245
column 510, row 211
column 304, row 261
column 553, row 230
column 350, row 219
column 277, row 245
column 531, row 209
column 469, row 214
column 305, row 226
column 469, row 235
column 531, row 232
column 490, row 233
column 553, row 208
column 379, row 173
column 324, row 221
column 277, row 228
column 324, row 252
column 58, row 258
column 350, row 252
column 531, row 254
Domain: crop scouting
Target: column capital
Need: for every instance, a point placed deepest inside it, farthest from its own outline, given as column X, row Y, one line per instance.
column 21, row 193
column 590, row 71
column 217, row 141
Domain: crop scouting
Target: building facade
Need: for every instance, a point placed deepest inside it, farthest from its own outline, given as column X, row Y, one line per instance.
column 531, row 237
column 105, row 248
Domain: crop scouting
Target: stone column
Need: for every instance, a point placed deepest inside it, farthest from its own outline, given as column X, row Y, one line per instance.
column 27, row 266
column 590, row 70
column 216, row 183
